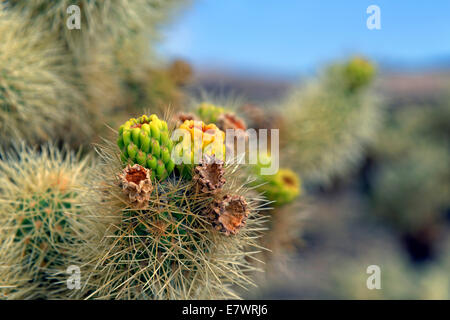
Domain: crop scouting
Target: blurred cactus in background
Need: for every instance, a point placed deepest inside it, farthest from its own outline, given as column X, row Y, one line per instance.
column 411, row 180
column 99, row 19
column 329, row 121
column 80, row 79
column 41, row 220
column 39, row 98
column 209, row 113
column 400, row 280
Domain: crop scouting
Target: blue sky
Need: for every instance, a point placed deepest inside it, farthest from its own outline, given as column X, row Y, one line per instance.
column 293, row 36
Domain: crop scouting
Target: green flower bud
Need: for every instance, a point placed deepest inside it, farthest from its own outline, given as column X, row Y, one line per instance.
column 144, row 119
column 151, row 162
column 160, row 168
column 146, row 128
column 127, row 126
column 141, row 158
column 135, row 135
column 132, row 151
column 156, row 149
column 155, row 131
column 165, row 154
column 170, row 165
column 164, row 138
column 126, row 137
column 145, row 141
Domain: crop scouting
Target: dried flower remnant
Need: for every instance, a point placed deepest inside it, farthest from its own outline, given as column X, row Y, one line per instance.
column 136, row 184
column 230, row 121
column 229, row 214
column 209, row 175
column 181, row 117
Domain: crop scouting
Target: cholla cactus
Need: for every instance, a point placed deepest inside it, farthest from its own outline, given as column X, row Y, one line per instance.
column 40, row 220
column 329, row 124
column 39, row 99
column 169, row 248
column 146, row 141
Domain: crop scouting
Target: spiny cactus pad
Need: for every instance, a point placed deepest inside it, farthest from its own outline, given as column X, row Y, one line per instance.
column 146, row 141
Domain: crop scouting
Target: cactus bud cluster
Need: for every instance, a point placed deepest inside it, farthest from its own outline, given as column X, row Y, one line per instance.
column 146, row 141
column 358, row 72
column 209, row 113
column 281, row 188
column 198, row 139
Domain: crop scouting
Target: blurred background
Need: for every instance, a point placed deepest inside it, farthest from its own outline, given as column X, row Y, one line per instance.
column 392, row 209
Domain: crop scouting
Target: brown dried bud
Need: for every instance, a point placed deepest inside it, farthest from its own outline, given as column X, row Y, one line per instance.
column 180, row 117
column 230, row 121
column 135, row 182
column 209, row 175
column 229, row 214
